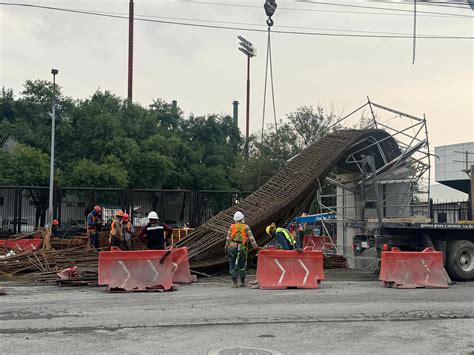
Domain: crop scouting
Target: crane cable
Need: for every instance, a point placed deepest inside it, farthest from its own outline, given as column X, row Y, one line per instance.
column 414, row 32
column 270, row 7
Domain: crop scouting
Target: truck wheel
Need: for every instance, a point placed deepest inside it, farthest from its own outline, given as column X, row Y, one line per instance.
column 460, row 260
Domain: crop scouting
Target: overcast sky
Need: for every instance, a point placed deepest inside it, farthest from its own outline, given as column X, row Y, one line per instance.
column 203, row 69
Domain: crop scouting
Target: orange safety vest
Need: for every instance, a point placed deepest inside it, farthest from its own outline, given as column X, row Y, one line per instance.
column 113, row 229
column 238, row 234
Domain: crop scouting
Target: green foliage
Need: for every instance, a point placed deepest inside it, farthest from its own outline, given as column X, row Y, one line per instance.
column 104, row 142
column 24, row 165
column 86, row 173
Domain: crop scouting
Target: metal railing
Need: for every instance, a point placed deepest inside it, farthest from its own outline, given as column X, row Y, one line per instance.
column 24, row 208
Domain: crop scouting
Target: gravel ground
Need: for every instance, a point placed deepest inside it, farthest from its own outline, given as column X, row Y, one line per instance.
column 356, row 316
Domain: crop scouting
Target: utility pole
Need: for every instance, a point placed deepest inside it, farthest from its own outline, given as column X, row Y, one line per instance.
column 51, row 170
column 248, row 49
column 130, row 51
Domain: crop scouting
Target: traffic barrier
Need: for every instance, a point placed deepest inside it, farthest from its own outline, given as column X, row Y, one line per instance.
column 138, row 270
column 402, row 269
column 279, row 269
column 22, row 244
column 182, row 274
column 317, row 242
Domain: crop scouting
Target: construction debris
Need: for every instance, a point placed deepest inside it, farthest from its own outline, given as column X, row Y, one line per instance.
column 288, row 193
column 43, row 265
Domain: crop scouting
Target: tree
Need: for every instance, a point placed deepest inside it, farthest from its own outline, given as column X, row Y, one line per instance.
column 25, row 166
column 87, row 173
column 309, row 124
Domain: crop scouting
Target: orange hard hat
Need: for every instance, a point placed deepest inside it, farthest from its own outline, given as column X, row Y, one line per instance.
column 125, row 217
column 55, row 222
column 97, row 209
column 119, row 214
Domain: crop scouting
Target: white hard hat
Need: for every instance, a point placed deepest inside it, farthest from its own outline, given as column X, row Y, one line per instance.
column 238, row 216
column 153, row 215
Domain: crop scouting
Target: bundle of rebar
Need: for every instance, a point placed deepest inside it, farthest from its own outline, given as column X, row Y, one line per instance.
column 335, row 262
column 43, row 265
column 288, row 193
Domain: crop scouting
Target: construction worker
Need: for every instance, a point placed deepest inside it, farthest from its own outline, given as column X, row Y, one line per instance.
column 94, row 221
column 116, row 236
column 155, row 233
column 281, row 236
column 55, row 232
column 236, row 248
column 127, row 230
column 301, row 232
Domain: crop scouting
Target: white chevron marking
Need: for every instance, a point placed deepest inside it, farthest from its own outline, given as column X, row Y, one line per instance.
column 305, row 269
column 154, row 270
column 175, row 267
column 283, row 271
column 124, row 268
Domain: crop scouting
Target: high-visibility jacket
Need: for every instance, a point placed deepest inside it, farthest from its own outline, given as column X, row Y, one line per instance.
column 238, row 234
column 287, row 235
column 113, row 227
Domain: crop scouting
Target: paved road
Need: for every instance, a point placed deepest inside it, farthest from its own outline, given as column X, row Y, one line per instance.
column 340, row 317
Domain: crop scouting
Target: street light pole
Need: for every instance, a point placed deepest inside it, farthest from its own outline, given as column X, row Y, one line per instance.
column 53, row 129
column 248, row 49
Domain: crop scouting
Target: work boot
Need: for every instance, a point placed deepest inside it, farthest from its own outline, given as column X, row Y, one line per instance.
column 235, row 284
column 242, row 283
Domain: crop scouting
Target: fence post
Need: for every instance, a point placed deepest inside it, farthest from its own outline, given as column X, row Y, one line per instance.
column 132, row 205
column 20, row 202
column 15, row 211
column 58, row 207
column 162, row 206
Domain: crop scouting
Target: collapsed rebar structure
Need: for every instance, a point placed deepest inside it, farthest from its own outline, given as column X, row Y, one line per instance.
column 289, row 192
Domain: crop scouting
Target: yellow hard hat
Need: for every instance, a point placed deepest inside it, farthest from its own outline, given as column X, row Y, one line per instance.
column 273, row 225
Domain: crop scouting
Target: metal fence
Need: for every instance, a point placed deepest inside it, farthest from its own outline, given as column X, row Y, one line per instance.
column 451, row 212
column 24, row 208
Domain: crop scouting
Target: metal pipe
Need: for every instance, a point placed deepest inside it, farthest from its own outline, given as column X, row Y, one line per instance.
column 247, row 113
column 51, row 167
column 130, row 51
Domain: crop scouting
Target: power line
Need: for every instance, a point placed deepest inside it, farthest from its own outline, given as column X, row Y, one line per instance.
column 389, row 13
column 258, row 24
column 381, row 8
column 303, row 33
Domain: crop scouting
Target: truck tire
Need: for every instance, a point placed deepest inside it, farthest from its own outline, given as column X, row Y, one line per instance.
column 460, row 260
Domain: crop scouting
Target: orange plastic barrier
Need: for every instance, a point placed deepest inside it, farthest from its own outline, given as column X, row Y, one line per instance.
column 402, row 269
column 138, row 270
column 22, row 244
column 279, row 269
column 182, row 274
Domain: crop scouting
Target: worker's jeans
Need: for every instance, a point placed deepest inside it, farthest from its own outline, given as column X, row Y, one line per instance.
column 300, row 239
column 237, row 262
column 94, row 239
column 283, row 242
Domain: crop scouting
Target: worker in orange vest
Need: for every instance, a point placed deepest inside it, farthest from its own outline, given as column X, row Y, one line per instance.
column 116, row 236
column 237, row 238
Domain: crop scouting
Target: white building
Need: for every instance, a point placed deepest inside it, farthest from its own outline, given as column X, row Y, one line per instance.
column 451, row 163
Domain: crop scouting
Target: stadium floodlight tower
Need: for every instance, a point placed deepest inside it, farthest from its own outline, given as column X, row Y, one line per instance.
column 248, row 49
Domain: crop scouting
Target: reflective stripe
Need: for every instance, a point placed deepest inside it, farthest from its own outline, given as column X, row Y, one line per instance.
column 154, row 228
column 287, row 235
